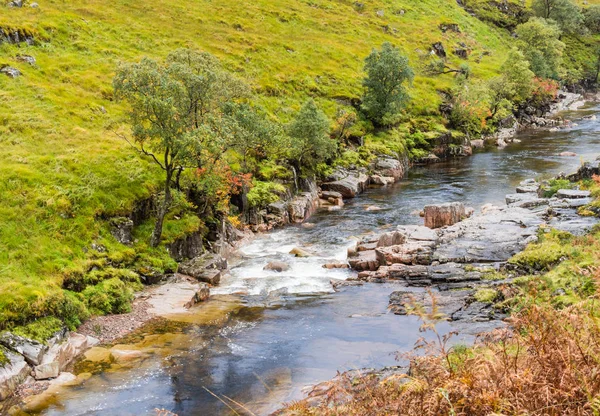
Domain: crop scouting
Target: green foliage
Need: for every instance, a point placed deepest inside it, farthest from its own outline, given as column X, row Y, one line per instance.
column 109, row 296
column 264, row 193
column 555, row 185
column 564, row 12
column 310, row 141
column 40, row 330
column 3, row 357
column 540, row 44
column 485, row 295
column 177, row 115
column 517, row 77
column 592, row 18
column 547, row 253
column 385, row 94
column 254, row 136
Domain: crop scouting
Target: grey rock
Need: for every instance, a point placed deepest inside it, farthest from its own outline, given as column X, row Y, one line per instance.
column 32, row 350
column 348, row 183
column 205, row 268
column 27, row 59
column 10, row 72
column 391, row 239
column 12, row 374
column 572, row 194
column 122, row 230
column 34, row 5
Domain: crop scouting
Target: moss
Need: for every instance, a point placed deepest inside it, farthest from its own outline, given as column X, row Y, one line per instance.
column 41, row 329
column 545, row 254
column 3, row 358
column 485, row 295
column 555, row 185
column 109, row 296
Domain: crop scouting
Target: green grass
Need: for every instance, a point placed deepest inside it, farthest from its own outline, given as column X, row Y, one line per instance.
column 63, row 169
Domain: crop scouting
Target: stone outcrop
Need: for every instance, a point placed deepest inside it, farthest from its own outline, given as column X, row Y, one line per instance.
column 441, row 215
column 12, row 374
column 122, row 230
column 205, row 268
column 31, row 350
column 586, row 171
column 347, row 183
column 460, row 253
column 187, row 247
column 10, row 72
column 62, row 354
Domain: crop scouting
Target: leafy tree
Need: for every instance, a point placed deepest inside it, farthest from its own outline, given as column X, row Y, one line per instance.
column 310, row 141
column 255, row 137
column 175, row 109
column 540, row 44
column 517, row 79
column 385, row 94
column 592, row 18
column 564, row 12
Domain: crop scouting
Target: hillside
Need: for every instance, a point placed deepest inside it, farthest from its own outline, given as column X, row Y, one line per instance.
column 63, row 168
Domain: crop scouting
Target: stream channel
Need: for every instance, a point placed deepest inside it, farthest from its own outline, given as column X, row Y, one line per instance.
column 263, row 336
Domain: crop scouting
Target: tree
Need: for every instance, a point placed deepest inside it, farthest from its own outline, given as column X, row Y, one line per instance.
column 385, row 94
column 310, row 141
column 564, row 12
column 175, row 107
column 441, row 67
column 540, row 44
column 255, row 137
column 592, row 18
column 517, row 77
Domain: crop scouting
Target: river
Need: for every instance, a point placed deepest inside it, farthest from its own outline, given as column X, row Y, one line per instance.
column 264, row 336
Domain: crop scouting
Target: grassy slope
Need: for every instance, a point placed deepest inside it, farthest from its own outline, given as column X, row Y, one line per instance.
column 61, row 168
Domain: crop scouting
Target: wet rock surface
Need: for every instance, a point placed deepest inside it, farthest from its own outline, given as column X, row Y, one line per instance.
column 205, row 268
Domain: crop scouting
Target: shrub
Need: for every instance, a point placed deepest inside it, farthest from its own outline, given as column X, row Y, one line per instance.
column 264, row 193
column 109, row 297
column 41, row 329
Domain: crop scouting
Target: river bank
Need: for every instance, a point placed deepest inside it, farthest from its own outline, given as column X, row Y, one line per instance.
column 369, row 220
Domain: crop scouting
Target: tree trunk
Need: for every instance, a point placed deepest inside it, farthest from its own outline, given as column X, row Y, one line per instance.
column 162, row 211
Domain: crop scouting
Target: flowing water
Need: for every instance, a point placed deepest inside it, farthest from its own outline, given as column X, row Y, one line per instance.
column 266, row 335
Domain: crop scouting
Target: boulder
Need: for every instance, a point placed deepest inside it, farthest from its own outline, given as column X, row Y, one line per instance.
column 299, row 252
column 391, row 239
column 477, row 144
column 62, row 354
column 568, row 154
column 277, row 266
column 33, row 351
column 438, row 49
column 437, row 216
column 10, row 72
column 122, row 229
column 382, row 180
column 302, row 206
column 12, row 374
column 372, row 208
column 388, row 167
column 202, row 294
column 348, row 183
column 205, row 268
column 27, row 59
column 572, row 194
column 586, row 171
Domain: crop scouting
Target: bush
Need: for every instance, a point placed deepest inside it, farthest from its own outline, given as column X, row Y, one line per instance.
column 264, row 193
column 109, row 297
column 555, row 185
column 40, row 330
